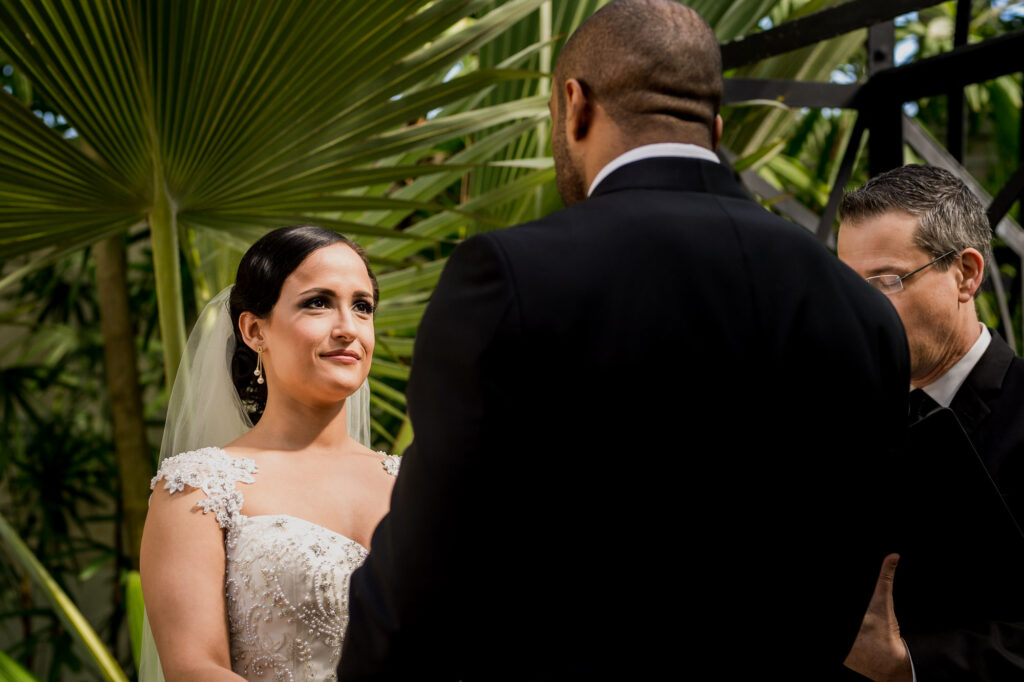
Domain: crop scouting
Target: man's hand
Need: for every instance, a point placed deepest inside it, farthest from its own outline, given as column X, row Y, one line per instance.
column 879, row 652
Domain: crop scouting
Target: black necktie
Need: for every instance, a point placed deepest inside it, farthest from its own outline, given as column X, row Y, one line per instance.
column 921, row 404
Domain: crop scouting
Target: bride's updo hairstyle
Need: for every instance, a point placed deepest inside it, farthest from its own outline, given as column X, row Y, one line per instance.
column 261, row 273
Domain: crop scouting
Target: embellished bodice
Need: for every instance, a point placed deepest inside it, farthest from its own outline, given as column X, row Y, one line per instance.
column 286, row 580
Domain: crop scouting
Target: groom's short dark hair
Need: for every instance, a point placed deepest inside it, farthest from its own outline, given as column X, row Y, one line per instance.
column 652, row 64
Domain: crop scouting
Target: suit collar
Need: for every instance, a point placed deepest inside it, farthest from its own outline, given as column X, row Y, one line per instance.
column 675, row 174
column 650, row 151
column 974, row 401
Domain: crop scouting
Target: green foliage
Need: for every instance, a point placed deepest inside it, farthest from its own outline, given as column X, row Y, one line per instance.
column 58, row 474
column 73, row 620
column 136, row 612
column 215, row 122
column 10, row 671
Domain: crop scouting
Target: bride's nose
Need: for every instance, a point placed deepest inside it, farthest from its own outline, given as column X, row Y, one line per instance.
column 344, row 325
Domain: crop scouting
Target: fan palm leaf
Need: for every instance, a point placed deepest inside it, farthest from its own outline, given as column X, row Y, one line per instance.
column 229, row 118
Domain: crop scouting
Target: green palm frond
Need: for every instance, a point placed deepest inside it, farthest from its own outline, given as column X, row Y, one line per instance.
column 10, row 671
column 77, row 625
column 229, row 118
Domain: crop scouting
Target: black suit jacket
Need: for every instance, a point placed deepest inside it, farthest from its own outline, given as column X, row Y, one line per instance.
column 645, row 430
column 990, row 407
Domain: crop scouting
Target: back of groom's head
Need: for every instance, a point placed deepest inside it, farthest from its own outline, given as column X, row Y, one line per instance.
column 653, row 65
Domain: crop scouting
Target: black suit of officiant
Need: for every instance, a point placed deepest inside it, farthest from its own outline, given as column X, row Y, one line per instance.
column 990, row 407
column 648, row 432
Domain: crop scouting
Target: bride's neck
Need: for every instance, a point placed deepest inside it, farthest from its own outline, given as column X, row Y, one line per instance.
column 288, row 425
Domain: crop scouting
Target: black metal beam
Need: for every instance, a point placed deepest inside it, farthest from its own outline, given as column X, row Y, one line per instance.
column 883, row 116
column 969, row 64
column 1009, row 194
column 956, row 105
column 826, row 233
column 963, row 22
column 881, row 48
column 814, row 28
column 936, row 75
column 813, row 94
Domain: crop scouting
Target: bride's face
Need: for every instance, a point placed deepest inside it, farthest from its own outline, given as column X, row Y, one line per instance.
column 318, row 339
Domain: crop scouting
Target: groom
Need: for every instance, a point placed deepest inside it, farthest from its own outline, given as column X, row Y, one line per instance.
column 651, row 428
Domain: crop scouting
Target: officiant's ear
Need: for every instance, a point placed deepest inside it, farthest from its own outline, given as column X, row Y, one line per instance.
column 251, row 328
column 579, row 109
column 972, row 270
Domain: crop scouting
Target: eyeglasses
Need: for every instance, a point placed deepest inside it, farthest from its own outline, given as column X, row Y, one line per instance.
column 890, row 284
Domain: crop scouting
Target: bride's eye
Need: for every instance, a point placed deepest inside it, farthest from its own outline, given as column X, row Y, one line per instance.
column 316, row 302
column 363, row 307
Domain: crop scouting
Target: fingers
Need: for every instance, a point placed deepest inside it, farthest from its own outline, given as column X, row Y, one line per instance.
column 883, row 587
column 881, row 604
column 883, row 592
column 879, row 652
column 888, row 572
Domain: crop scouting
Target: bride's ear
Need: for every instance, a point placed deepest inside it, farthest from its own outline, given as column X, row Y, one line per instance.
column 251, row 328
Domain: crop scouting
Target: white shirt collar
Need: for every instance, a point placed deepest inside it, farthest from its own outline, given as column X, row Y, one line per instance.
column 650, row 151
column 945, row 387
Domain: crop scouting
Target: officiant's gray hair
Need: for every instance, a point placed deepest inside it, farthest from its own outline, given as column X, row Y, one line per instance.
column 949, row 216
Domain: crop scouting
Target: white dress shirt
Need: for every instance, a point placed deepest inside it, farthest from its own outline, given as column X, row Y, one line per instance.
column 650, row 151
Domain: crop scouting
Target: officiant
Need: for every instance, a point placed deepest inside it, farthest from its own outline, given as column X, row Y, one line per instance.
column 920, row 236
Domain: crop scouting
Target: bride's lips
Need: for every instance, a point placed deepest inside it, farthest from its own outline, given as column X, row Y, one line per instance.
column 347, row 357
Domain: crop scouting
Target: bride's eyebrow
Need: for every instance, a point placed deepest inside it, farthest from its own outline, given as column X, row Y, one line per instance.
column 318, row 290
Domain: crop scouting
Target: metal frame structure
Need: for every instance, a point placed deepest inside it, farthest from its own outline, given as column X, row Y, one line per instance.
column 879, row 102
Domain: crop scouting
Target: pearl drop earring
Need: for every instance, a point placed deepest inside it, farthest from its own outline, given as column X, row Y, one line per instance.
column 258, row 373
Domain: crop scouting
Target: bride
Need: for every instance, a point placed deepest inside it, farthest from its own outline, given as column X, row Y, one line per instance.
column 248, row 547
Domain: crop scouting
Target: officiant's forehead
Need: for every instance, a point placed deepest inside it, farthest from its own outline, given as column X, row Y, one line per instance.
column 881, row 244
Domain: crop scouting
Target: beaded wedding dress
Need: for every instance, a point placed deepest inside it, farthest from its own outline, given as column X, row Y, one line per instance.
column 287, row 579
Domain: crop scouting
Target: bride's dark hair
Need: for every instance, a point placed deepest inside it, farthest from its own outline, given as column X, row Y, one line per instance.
column 261, row 273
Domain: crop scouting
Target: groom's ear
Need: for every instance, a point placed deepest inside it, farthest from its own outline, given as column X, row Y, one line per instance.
column 578, row 109
column 251, row 328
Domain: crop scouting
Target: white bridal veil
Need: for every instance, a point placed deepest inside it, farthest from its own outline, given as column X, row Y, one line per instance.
column 205, row 410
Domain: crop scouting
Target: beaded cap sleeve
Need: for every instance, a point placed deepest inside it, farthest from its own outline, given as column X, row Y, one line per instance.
column 215, row 473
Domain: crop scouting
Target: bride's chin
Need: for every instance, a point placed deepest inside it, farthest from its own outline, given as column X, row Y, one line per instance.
column 342, row 392
column 326, row 395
